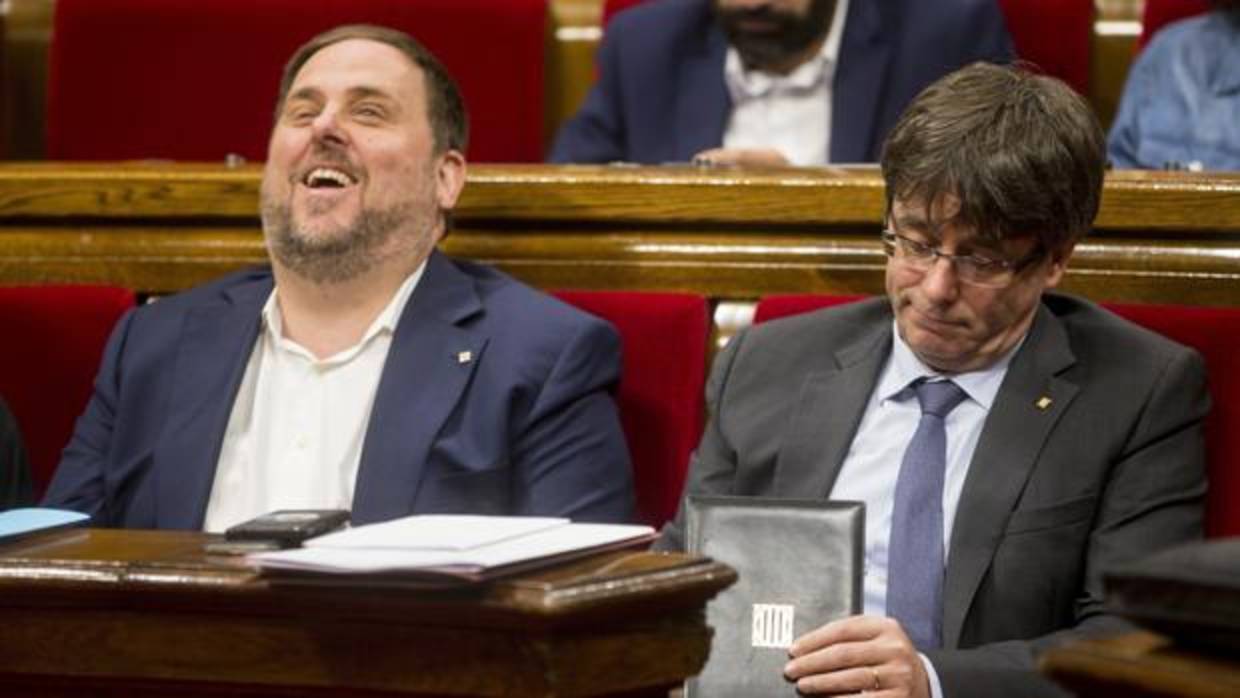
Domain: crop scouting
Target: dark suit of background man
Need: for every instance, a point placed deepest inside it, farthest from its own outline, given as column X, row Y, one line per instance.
column 1078, row 443
column 363, row 369
column 15, row 483
column 672, row 73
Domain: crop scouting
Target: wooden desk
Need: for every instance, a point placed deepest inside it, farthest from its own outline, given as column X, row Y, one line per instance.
column 1141, row 665
column 97, row 612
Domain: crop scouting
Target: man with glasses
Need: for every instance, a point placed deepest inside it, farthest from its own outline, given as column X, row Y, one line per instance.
column 1009, row 443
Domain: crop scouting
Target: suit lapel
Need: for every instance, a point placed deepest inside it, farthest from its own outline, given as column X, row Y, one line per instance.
column 428, row 366
column 702, row 101
column 1028, row 405
column 214, row 349
column 864, row 55
column 828, row 410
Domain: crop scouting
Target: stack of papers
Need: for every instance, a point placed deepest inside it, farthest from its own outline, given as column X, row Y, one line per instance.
column 463, row 546
column 19, row 522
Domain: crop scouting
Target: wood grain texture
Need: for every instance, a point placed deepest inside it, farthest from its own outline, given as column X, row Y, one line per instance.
column 102, row 611
column 729, row 234
column 1141, row 665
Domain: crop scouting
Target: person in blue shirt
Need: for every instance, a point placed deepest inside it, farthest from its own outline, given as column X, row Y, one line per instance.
column 1181, row 105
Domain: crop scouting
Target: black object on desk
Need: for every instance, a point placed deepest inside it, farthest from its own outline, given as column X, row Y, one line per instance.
column 800, row 565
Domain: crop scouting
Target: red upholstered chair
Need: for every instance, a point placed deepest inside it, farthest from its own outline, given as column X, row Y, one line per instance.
column 777, row 306
column 1158, row 13
column 664, row 340
column 197, row 80
column 611, row 7
column 54, row 337
column 1211, row 331
column 1054, row 35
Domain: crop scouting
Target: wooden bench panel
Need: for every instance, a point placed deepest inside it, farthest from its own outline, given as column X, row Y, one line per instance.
column 730, row 235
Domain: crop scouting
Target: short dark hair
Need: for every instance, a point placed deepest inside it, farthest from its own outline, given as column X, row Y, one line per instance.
column 444, row 107
column 1023, row 152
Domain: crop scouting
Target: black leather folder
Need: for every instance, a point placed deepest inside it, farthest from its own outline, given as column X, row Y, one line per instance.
column 1190, row 592
column 800, row 565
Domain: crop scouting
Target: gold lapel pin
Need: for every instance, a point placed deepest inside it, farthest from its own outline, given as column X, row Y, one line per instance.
column 464, row 357
column 1043, row 402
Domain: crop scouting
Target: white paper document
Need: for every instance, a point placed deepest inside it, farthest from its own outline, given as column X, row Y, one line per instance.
column 436, row 532
column 18, row 522
column 450, row 545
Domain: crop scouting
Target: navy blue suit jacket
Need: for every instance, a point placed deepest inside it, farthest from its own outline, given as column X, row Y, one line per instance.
column 661, row 95
column 525, row 426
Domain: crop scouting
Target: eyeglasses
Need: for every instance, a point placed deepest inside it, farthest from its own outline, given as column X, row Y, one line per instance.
column 975, row 269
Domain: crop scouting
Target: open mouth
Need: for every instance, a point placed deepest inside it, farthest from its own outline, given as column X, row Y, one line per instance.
column 328, row 178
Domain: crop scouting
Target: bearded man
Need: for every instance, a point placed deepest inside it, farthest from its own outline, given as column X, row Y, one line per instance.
column 770, row 82
column 363, row 370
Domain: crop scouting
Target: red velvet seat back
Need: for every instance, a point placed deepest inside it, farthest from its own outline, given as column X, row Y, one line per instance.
column 54, row 337
column 1054, row 35
column 777, row 306
column 611, row 7
column 664, row 341
column 197, row 79
column 1213, row 332
column 1158, row 13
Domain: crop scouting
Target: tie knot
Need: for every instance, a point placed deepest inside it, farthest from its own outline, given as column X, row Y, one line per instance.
column 938, row 397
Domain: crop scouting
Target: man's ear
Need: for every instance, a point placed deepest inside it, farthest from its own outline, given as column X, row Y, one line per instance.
column 1059, row 264
column 449, row 178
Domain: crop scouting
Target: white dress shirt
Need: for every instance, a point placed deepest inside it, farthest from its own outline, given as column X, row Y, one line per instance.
column 294, row 438
column 790, row 113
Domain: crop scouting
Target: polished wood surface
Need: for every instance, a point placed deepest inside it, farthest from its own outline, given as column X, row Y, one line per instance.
column 1163, row 237
column 100, row 612
column 1141, row 665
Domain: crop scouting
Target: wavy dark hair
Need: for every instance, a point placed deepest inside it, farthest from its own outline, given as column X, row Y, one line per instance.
column 1023, row 152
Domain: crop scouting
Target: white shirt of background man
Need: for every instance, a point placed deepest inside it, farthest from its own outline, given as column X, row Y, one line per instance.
column 294, row 438
column 789, row 113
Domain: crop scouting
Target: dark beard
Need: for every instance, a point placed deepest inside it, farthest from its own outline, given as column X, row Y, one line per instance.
column 791, row 37
column 336, row 259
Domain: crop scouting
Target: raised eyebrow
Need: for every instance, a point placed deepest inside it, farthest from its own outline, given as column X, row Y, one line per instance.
column 304, row 95
column 356, row 94
column 913, row 223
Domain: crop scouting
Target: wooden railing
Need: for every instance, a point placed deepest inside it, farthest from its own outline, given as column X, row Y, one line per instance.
column 731, row 235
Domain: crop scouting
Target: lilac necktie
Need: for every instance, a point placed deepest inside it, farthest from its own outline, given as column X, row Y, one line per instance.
column 915, row 549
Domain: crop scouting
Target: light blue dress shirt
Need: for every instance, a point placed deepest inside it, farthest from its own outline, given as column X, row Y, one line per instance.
column 1181, row 105
column 869, row 471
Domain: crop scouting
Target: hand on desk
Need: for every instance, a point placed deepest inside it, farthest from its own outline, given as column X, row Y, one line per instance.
column 867, row 654
column 744, row 157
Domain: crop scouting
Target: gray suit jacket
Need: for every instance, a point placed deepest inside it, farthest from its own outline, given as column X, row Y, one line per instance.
column 1112, row 468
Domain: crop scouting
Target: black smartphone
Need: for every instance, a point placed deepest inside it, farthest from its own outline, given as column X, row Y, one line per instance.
column 287, row 528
